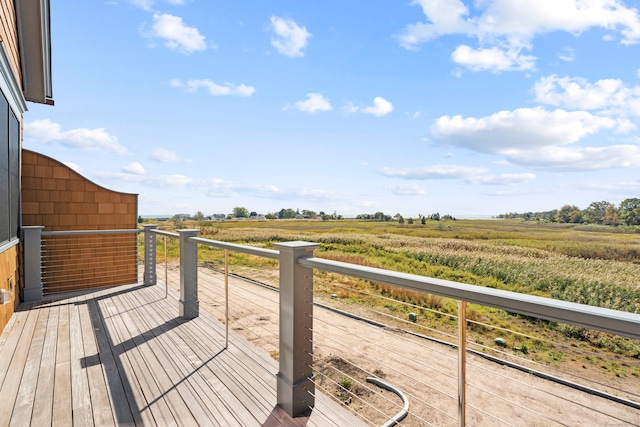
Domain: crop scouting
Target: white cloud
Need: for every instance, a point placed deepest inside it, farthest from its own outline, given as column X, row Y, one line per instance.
column 579, row 159
column 406, row 190
column 214, row 89
column 163, row 181
column 502, row 179
column 134, row 168
column 540, row 139
column 163, row 155
column 381, row 107
column 315, row 102
column 495, row 59
column 148, row 4
column 611, row 96
column 86, row 139
column 176, row 35
column 567, row 54
column 434, row 172
column 512, row 25
column 523, row 128
column 470, row 174
column 349, row 107
column 290, row 38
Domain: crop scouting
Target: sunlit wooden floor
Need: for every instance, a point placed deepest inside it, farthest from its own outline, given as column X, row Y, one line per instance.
column 122, row 356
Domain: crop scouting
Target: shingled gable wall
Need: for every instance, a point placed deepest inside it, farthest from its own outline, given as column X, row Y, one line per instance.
column 60, row 199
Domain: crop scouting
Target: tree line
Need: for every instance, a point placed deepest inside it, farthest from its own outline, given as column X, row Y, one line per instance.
column 604, row 213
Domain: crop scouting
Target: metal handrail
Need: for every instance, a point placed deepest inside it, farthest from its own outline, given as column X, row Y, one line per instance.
column 590, row 317
column 252, row 250
column 166, row 233
column 85, row 232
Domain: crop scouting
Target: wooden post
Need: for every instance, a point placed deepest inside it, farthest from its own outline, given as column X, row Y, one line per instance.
column 296, row 390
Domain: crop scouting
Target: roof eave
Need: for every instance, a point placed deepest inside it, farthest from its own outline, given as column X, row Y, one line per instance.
column 34, row 38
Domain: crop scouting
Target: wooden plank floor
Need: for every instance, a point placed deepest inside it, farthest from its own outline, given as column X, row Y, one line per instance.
column 121, row 356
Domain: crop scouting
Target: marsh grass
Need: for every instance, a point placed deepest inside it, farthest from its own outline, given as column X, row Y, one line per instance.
column 598, row 266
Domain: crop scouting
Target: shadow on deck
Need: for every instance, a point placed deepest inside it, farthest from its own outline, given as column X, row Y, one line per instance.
column 122, row 356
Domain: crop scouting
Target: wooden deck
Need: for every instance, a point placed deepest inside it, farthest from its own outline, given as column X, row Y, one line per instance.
column 121, row 356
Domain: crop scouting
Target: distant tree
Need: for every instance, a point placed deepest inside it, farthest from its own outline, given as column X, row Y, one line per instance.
column 286, row 213
column 400, row 219
column 198, row 216
column 423, row 220
column 409, row 220
column 568, row 214
column 253, row 214
column 629, row 211
column 140, row 220
column 435, row 216
column 595, row 212
column 271, row 215
column 378, row 216
column 611, row 216
column 239, row 212
column 309, row 214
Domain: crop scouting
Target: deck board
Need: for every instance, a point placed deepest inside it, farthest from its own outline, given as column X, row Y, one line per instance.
column 44, row 391
column 16, row 367
column 80, row 393
column 23, row 406
column 122, row 356
column 62, row 405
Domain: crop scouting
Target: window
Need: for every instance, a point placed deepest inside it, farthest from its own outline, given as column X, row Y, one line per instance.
column 9, row 173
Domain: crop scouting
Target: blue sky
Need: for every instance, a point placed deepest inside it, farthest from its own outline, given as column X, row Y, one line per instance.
column 466, row 108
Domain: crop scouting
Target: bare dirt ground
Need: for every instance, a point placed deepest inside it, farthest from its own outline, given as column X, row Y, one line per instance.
column 348, row 350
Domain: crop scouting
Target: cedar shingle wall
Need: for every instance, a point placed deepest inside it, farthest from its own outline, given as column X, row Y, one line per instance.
column 8, row 268
column 9, row 35
column 58, row 198
column 8, row 259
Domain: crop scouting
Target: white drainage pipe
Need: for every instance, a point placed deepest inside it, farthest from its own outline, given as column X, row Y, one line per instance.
column 405, row 410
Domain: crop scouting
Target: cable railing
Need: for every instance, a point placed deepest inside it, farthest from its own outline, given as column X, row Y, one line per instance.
column 450, row 374
column 78, row 260
column 456, row 369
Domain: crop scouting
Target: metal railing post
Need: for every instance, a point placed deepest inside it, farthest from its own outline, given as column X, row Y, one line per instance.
column 149, row 254
column 295, row 388
column 189, row 304
column 462, row 363
column 226, row 298
column 32, row 246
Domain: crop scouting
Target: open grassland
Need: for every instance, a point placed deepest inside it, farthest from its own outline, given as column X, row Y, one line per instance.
column 592, row 265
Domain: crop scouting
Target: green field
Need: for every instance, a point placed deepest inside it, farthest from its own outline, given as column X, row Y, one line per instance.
column 593, row 265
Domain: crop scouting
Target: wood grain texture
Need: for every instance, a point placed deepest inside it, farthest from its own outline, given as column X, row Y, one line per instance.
column 121, row 356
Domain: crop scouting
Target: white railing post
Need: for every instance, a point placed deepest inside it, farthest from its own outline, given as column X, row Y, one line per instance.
column 32, row 247
column 296, row 389
column 150, row 277
column 189, row 304
column 462, row 363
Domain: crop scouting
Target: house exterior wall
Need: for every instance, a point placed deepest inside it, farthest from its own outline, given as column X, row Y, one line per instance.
column 8, row 273
column 10, row 144
column 60, row 199
column 9, row 35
